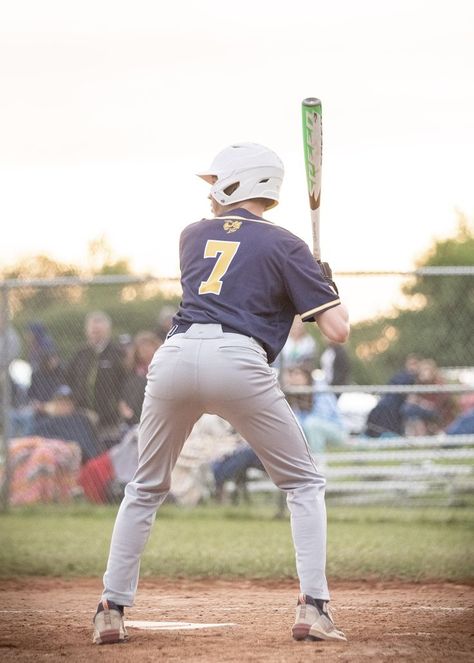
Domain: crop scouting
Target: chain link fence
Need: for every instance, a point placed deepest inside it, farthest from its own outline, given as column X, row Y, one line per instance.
column 73, row 361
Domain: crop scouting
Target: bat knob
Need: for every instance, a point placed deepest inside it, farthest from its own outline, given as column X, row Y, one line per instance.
column 311, row 101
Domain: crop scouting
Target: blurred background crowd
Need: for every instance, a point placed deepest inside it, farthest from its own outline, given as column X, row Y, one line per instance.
column 73, row 425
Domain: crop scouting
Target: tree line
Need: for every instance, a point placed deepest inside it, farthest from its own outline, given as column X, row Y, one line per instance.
column 437, row 319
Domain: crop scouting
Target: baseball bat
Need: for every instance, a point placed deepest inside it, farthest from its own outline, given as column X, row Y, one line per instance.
column 313, row 152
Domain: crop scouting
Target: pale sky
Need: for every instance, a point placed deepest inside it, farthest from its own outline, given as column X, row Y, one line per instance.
column 109, row 107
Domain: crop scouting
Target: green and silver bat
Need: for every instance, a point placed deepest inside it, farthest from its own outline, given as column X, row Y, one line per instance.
column 313, row 151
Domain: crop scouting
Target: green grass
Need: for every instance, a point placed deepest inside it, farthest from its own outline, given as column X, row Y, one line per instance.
column 364, row 542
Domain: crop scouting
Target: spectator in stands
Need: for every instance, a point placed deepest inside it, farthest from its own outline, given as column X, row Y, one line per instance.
column 317, row 412
column 127, row 348
column 212, row 440
column 300, row 349
column 428, row 413
column 103, row 479
column 62, row 421
column 21, row 413
column 145, row 344
column 464, row 422
column 96, row 375
column 233, row 467
column 46, row 378
column 38, row 343
column 335, row 365
column 386, row 417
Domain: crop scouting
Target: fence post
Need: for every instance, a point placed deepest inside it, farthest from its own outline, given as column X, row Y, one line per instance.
column 6, row 394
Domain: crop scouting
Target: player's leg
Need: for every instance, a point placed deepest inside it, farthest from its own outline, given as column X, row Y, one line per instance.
column 261, row 414
column 170, row 409
column 277, row 439
column 280, row 444
column 164, row 427
column 163, row 431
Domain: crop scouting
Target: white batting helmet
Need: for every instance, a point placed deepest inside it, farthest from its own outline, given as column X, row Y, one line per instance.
column 245, row 171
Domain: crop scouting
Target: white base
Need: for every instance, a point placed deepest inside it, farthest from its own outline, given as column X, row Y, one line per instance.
column 171, row 626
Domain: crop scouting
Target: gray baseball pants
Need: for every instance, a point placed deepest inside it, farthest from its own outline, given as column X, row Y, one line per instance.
column 208, row 370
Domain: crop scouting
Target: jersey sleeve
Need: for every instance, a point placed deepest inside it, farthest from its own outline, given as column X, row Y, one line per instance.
column 305, row 284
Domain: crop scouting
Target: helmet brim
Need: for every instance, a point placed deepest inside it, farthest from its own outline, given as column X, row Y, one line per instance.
column 207, row 177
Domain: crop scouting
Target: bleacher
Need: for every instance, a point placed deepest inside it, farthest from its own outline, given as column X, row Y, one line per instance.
column 431, row 470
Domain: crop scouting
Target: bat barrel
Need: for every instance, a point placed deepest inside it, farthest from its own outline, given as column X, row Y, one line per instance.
column 313, row 144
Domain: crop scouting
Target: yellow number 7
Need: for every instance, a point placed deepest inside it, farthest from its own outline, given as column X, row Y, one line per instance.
column 226, row 252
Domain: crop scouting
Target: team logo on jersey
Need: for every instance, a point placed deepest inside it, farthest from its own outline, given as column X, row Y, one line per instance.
column 232, row 226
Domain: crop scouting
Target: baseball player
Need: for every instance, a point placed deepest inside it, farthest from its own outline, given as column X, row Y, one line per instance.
column 244, row 279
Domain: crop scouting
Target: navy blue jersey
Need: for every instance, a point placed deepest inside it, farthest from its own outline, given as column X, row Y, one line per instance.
column 251, row 276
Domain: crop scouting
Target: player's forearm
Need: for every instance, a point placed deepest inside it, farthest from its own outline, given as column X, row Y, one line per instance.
column 334, row 324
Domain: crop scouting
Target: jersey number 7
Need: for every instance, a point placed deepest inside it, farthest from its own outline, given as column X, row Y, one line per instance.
column 225, row 253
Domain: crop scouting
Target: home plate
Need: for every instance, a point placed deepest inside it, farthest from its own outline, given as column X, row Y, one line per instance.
column 172, row 626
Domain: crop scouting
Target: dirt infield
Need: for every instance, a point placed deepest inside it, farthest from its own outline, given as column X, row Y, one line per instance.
column 47, row 619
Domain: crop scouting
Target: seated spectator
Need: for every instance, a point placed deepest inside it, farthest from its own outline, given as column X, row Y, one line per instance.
column 233, row 467
column 38, row 343
column 212, row 438
column 96, row 375
column 317, row 413
column 335, row 365
column 62, row 421
column 300, row 349
column 144, row 344
column 46, row 378
column 21, row 413
column 386, row 417
column 462, row 425
column 427, row 413
column 103, row 479
column 464, row 422
column 127, row 349
column 47, row 375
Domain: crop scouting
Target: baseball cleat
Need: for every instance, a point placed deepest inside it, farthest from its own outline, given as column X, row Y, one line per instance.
column 314, row 621
column 109, row 628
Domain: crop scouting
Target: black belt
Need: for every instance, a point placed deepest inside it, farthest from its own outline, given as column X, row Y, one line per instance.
column 182, row 328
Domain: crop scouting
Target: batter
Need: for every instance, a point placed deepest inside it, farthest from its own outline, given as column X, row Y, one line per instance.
column 244, row 279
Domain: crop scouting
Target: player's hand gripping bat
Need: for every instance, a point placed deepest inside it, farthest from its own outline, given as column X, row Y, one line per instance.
column 313, row 154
